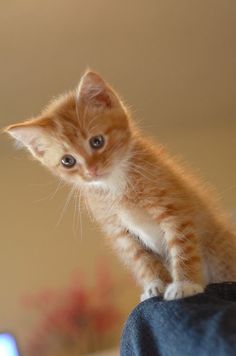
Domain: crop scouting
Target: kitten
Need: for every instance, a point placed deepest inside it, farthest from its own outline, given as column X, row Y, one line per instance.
column 159, row 219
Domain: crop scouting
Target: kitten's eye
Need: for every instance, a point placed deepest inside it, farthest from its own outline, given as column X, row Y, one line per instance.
column 97, row 142
column 68, row 161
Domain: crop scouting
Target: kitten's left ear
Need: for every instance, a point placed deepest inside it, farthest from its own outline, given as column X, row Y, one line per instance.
column 95, row 93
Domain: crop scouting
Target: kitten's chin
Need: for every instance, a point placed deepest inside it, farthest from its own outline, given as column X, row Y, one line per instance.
column 96, row 184
column 96, row 179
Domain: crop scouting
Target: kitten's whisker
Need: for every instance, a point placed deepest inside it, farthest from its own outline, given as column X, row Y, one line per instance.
column 137, row 171
column 76, row 108
column 136, row 154
column 94, row 128
column 41, row 184
column 151, row 173
column 80, row 217
column 52, row 194
column 136, row 159
column 228, row 189
column 91, row 122
column 75, row 215
column 65, row 206
column 146, row 173
column 115, row 147
column 88, row 210
column 83, row 118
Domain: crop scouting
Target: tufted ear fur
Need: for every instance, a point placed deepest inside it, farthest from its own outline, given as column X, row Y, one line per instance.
column 30, row 134
column 95, row 93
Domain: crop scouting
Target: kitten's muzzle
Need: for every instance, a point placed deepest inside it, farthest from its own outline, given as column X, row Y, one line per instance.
column 92, row 172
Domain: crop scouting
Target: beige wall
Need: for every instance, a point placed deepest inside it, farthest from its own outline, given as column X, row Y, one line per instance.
column 173, row 61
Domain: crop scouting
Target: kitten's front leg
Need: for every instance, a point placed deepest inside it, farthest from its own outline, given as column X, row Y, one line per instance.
column 146, row 265
column 186, row 261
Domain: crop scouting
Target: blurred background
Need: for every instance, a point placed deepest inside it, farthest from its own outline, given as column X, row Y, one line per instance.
column 174, row 62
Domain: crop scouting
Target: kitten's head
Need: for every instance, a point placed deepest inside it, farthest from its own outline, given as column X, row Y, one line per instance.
column 83, row 136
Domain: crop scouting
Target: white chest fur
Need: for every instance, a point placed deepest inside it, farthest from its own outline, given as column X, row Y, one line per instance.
column 141, row 224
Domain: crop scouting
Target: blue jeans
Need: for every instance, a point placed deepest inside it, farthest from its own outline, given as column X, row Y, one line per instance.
column 202, row 325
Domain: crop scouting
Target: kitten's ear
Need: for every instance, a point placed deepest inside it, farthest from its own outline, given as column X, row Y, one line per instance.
column 94, row 92
column 31, row 135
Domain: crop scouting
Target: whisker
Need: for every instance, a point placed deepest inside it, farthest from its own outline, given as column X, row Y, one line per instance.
column 52, row 194
column 82, row 118
column 137, row 171
column 80, row 217
column 65, row 206
column 228, row 189
column 75, row 215
column 145, row 171
column 41, row 184
column 135, row 154
column 91, row 122
column 88, row 210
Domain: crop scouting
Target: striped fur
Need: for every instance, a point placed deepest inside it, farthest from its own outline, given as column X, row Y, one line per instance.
column 160, row 219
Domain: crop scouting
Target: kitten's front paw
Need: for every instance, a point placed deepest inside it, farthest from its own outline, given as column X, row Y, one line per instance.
column 155, row 288
column 177, row 290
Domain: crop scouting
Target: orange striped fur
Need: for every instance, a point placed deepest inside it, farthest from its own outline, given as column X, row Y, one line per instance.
column 159, row 218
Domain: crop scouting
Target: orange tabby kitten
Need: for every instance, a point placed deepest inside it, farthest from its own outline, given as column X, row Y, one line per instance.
column 160, row 220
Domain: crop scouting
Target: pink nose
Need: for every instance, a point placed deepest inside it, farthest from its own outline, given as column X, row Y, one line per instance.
column 92, row 171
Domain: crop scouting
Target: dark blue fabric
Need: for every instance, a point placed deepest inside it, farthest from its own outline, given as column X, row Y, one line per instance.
column 201, row 325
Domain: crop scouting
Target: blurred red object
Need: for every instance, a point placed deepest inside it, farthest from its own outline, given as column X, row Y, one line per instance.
column 80, row 316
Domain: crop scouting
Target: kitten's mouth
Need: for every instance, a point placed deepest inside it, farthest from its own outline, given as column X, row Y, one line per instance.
column 96, row 178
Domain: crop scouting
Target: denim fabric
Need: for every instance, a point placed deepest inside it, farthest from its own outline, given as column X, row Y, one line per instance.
column 202, row 325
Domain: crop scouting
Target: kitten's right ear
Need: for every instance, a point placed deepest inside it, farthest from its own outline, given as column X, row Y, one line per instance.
column 29, row 134
column 21, row 132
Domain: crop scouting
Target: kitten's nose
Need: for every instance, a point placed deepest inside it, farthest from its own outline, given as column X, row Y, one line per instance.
column 92, row 171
